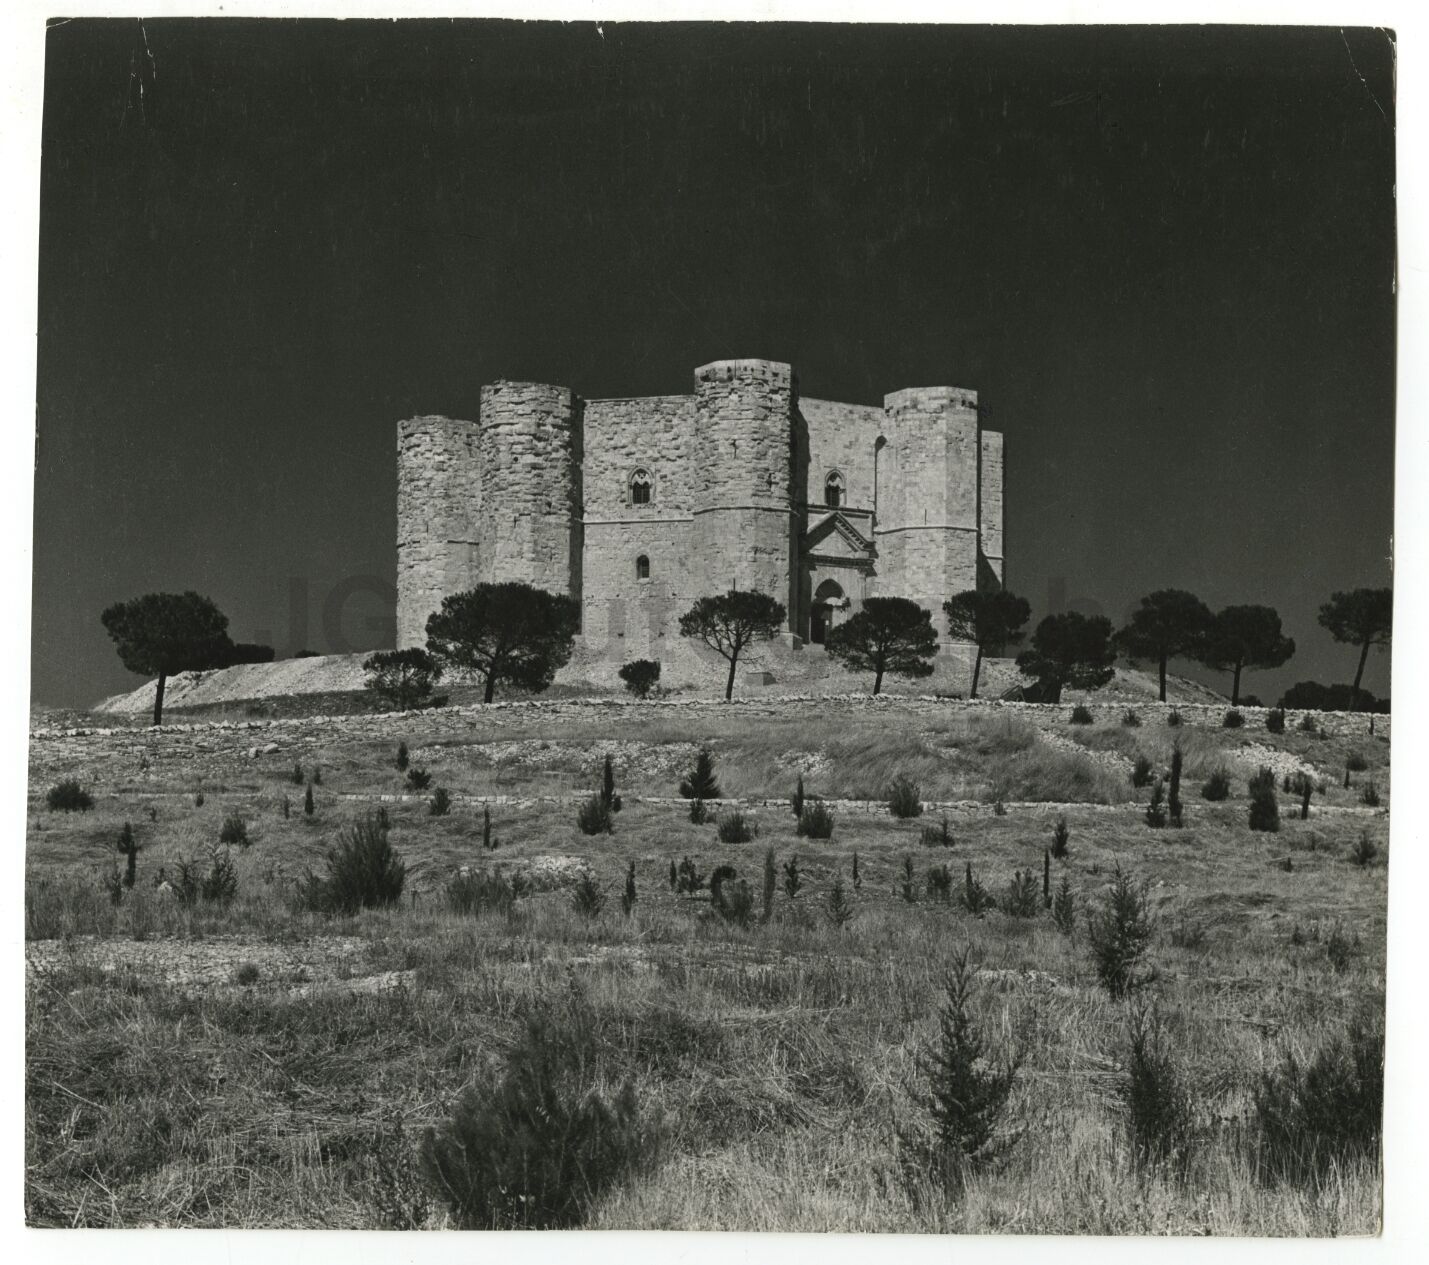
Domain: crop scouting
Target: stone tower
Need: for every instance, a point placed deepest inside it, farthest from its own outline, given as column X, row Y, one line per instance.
column 744, row 533
column 438, row 502
column 529, row 521
column 927, row 530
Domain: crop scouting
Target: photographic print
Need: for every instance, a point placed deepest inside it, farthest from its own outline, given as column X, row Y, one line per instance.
column 711, row 626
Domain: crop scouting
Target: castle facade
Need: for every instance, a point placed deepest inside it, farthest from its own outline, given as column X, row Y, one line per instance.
column 638, row 507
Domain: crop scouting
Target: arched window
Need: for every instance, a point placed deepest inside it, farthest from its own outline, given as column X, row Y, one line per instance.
column 642, row 567
column 834, row 490
column 640, row 485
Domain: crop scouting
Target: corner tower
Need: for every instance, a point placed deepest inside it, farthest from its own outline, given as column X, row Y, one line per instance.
column 744, row 533
column 529, row 442
column 438, row 499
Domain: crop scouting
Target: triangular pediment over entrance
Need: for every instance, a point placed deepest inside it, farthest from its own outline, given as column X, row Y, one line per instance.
column 833, row 536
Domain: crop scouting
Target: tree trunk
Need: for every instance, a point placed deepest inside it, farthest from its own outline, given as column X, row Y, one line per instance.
column 1163, row 678
column 1056, row 692
column 729, row 685
column 490, row 685
column 878, row 678
column 977, row 669
column 1235, row 689
column 159, row 699
column 1359, row 673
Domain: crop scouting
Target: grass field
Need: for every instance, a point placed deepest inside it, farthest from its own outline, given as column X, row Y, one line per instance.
column 256, row 1065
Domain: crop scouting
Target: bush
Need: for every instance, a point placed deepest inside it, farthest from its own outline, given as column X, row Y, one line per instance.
column 771, row 875
column 1307, row 725
column 1119, row 935
column 1173, row 796
column 594, row 817
column 68, row 797
column 364, row 872
column 1365, row 851
column 129, row 848
column 939, row 836
column 640, row 676
column 1356, row 763
column 688, row 879
column 1130, row 719
column 1023, row 900
column 480, row 892
column 907, row 889
column 418, row 779
column 699, row 814
column 1156, row 809
column 904, row 797
column 1064, row 909
column 1173, row 718
column 840, row 909
column 308, row 806
column 1311, row 1119
column 940, row 883
column 1275, row 720
column 974, row 896
column 1264, row 806
column 732, row 897
column 607, row 786
column 403, row 758
column 1216, row 787
column 735, row 828
column 796, row 802
column 234, row 830
column 1081, row 715
column 1369, row 795
column 1232, row 720
column 1141, row 772
column 537, row 1148
column 220, row 884
column 1158, row 1103
column 488, row 841
column 587, row 899
column 402, row 679
column 817, row 822
column 1060, row 839
column 440, row 804
column 963, row 1097
column 701, row 783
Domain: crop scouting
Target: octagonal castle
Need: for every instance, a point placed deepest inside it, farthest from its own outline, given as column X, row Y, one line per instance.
column 637, row 507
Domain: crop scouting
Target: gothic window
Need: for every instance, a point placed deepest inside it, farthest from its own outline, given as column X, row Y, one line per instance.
column 642, row 567
column 640, row 485
column 834, row 490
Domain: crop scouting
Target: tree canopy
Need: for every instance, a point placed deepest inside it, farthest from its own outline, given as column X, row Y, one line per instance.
column 1070, row 649
column 890, row 634
column 640, row 676
column 730, row 622
column 506, row 633
column 1361, row 617
column 1169, row 624
column 402, row 678
column 991, row 619
column 163, row 633
column 1241, row 637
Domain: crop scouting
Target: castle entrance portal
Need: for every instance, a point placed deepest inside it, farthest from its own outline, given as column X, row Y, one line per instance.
column 828, row 598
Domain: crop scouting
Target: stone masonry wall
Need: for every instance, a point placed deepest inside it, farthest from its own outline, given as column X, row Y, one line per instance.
column 438, row 500
column 990, row 500
column 530, row 446
column 842, row 438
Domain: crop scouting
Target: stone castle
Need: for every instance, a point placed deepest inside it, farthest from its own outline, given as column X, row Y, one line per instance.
column 638, row 507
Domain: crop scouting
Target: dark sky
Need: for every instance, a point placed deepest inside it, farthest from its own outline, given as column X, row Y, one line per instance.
column 1163, row 256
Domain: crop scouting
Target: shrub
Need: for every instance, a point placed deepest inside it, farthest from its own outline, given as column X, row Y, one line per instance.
column 689, row 880
column 939, row 836
column 1264, row 806
column 1369, row 795
column 607, row 786
column 797, row 801
column 479, row 892
column 1141, row 772
column 640, row 676
column 674, row 874
column 1232, row 720
column 297, row 777
column 1081, row 715
column 1307, row 725
column 701, row 783
column 594, row 817
column 129, row 849
column 1064, row 909
column 963, row 1096
column 418, row 779
column 840, row 908
column 816, row 822
column 999, row 809
column 854, row 874
column 308, row 806
column 940, row 883
column 974, row 896
column 1119, row 935
column 629, row 896
column 904, row 797
column 1173, row 719
column 735, row 828
column 1313, row 1118
column 538, row 1147
column 1156, row 809
column 792, row 880
column 1338, row 948
column 699, row 814
column 440, row 804
column 1130, row 719
column 1023, row 899
column 1218, row 786
column 1356, row 763
column 285, row 806
column 317, row 777
column 1173, row 798
column 220, row 884
column 587, row 899
column 733, row 899
column 1154, row 1094
column 771, row 874
column 68, row 797
column 488, row 840
column 907, row 889
column 1060, row 839
column 198, row 799
column 1364, row 854
column 364, row 872
column 403, row 758
column 1275, row 720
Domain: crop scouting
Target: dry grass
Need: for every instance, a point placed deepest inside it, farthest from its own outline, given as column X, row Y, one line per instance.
column 252, row 1066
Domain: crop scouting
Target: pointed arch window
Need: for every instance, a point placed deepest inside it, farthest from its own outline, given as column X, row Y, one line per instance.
column 641, row 487
column 834, row 490
column 642, row 567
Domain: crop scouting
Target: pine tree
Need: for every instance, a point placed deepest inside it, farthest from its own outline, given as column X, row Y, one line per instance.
column 702, row 783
